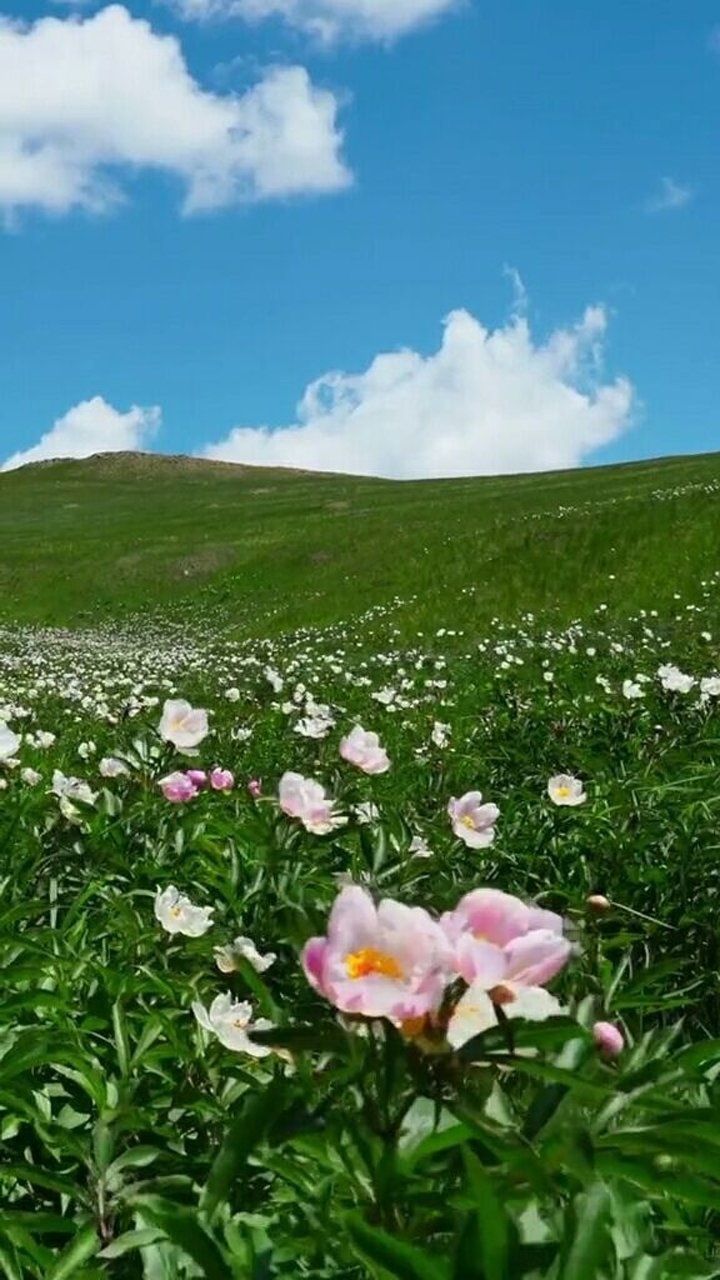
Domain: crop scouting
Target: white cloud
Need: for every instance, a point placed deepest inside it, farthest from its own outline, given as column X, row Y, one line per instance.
column 93, row 426
column 328, row 20
column 85, row 103
column 670, row 196
column 484, row 403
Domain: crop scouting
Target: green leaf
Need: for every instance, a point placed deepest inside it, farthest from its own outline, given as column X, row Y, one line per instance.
column 259, row 1111
column 696, row 1055
column 36, row 1049
column 667, row 1180
column 320, row 1039
column 129, row 1240
column 552, row 1034
column 122, row 1043
column 85, row 1246
column 181, row 1226
column 10, row 1267
column 394, row 1257
column 589, row 1242
column 485, row 1244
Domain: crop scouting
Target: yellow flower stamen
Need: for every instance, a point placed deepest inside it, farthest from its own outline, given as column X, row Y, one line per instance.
column 362, row 963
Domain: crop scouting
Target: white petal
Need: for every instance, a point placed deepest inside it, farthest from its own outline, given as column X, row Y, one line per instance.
column 473, row 1014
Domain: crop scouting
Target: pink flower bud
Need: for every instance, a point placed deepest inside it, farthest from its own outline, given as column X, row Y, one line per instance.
column 198, row 777
column 598, row 902
column 222, row 780
column 608, row 1039
column 254, row 786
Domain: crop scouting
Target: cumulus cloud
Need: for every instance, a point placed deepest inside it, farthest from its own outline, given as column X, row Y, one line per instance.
column 671, row 195
column 486, row 402
column 85, row 102
column 328, row 20
column 93, row 426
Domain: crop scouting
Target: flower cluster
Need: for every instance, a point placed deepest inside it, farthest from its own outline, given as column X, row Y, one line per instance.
column 183, row 785
column 442, row 979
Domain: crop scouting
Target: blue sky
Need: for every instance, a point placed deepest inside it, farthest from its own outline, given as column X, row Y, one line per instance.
column 510, row 165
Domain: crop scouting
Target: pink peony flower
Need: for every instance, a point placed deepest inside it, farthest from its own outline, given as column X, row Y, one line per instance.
column 472, row 821
column 222, row 780
column 364, row 751
column 198, row 777
column 389, row 961
column 304, row 799
column 254, row 786
column 608, row 1039
column 178, row 788
column 496, row 938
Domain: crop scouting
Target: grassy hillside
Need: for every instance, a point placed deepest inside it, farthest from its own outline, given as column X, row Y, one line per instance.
column 84, row 541
column 495, row 636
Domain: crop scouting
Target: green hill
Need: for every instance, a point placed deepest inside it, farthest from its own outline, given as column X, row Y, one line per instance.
column 116, row 533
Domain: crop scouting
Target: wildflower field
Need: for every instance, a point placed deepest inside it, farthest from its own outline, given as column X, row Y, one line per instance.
column 359, row 864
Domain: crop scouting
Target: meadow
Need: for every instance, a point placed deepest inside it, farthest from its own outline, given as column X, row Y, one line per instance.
column 240, row 709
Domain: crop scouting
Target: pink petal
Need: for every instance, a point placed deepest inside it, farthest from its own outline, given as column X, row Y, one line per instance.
column 498, row 917
column 539, row 918
column 353, row 920
column 536, row 958
column 313, row 961
column 480, row 962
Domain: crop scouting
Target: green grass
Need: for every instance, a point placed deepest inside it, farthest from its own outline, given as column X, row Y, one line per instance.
column 86, row 541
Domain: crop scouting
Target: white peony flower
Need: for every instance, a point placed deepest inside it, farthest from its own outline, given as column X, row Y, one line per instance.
column 71, row 789
column 385, row 696
column 419, row 848
column 673, row 680
column 564, row 789
column 313, row 727
column 111, row 767
column 440, row 735
column 182, row 725
column 366, row 812
column 472, row 821
column 9, row 742
column 226, row 958
column 274, row 679
column 475, row 1011
column 231, row 1020
column 177, row 914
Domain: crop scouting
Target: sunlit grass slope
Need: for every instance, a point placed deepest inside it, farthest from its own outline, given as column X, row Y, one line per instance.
column 105, row 537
